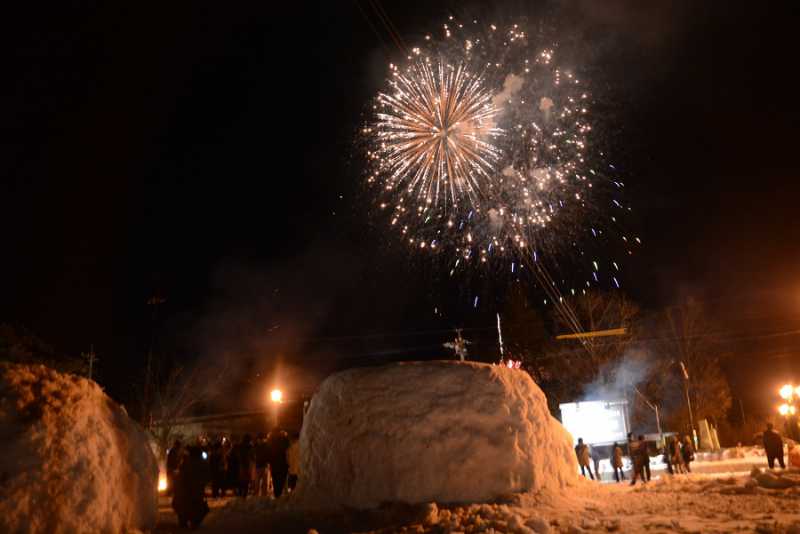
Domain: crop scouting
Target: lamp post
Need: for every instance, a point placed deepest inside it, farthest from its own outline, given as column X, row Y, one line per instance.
column 276, row 396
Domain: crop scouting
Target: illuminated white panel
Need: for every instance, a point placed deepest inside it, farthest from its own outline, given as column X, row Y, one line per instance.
column 595, row 421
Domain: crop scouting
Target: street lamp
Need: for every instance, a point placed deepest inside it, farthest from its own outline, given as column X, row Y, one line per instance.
column 276, row 396
column 788, row 409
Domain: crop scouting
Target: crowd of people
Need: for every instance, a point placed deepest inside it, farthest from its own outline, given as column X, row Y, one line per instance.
column 245, row 466
column 678, row 455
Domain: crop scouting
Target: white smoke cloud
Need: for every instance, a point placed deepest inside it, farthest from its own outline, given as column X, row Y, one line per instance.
column 511, row 86
column 495, row 219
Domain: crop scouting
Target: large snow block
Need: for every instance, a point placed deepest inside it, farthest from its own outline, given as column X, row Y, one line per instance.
column 430, row 431
column 72, row 460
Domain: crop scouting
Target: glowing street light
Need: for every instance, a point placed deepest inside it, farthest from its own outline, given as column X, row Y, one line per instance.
column 786, row 391
column 276, row 395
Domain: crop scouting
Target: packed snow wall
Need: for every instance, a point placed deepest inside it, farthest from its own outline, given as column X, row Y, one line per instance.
column 440, row 431
column 72, row 460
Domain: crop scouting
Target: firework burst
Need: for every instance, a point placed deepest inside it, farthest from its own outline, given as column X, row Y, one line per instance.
column 483, row 148
column 431, row 134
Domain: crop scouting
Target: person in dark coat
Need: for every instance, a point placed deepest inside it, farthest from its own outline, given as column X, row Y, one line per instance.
column 645, row 458
column 233, row 467
column 247, row 465
column 641, row 458
column 278, row 442
column 687, row 451
column 189, row 500
column 773, row 446
column 262, row 454
column 174, row 458
column 216, row 464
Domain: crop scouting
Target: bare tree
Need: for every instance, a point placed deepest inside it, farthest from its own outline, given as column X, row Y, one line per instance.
column 587, row 360
column 564, row 369
column 178, row 394
column 692, row 349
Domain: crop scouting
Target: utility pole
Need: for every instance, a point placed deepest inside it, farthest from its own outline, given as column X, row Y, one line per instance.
column 741, row 409
column 91, row 357
column 689, row 401
column 91, row 360
column 653, row 407
column 155, row 301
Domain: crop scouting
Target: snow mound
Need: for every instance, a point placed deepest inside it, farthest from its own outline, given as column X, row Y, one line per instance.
column 439, row 431
column 72, row 459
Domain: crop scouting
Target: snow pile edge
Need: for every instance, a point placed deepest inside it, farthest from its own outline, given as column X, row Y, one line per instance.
column 72, row 461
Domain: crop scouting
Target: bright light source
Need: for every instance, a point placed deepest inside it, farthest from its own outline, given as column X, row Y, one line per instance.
column 786, row 391
column 205, row 455
column 791, row 410
column 276, row 395
column 783, row 409
column 162, row 482
column 797, row 391
column 595, row 421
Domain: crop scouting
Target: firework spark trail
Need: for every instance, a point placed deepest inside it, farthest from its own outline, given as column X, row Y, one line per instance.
column 431, row 131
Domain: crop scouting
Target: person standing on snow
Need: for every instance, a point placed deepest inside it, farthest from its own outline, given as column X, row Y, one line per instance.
column 645, row 458
column 174, row 458
column 278, row 441
column 675, row 456
column 616, row 462
column 584, row 459
column 262, row 466
column 640, row 458
column 773, row 446
column 595, row 454
column 247, row 465
column 687, row 452
column 217, row 463
column 189, row 499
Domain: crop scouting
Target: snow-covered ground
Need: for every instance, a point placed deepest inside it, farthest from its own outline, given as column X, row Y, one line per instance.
column 723, row 494
column 696, row 503
column 395, row 449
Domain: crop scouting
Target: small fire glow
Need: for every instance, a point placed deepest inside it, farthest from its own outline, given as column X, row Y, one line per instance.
column 162, row 482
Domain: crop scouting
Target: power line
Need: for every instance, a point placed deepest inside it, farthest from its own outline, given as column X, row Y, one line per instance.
column 386, row 49
column 387, row 23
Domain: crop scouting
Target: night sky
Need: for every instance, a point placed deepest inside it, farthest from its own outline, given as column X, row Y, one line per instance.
column 207, row 155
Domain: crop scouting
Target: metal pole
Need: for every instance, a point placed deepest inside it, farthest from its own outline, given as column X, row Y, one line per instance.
column 658, row 424
column 689, row 404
